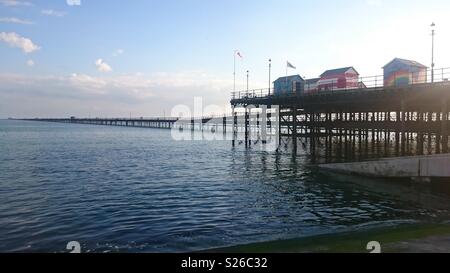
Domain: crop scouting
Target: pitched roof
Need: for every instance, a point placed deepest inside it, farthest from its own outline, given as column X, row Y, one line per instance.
column 311, row 81
column 289, row 78
column 406, row 62
column 337, row 71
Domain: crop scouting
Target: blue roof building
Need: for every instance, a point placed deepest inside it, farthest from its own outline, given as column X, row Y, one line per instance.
column 289, row 85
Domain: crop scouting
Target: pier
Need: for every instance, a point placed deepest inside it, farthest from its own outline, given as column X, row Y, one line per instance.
column 357, row 124
column 206, row 123
column 354, row 125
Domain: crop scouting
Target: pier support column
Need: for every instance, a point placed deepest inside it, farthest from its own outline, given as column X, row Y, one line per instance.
column 408, row 134
column 403, row 128
column 420, row 134
column 257, row 125
column 246, row 126
column 224, row 124
column 428, row 124
column 249, row 125
column 438, row 134
column 279, row 126
column 294, row 127
column 234, row 126
column 313, row 135
column 444, row 123
column 264, row 125
column 353, row 137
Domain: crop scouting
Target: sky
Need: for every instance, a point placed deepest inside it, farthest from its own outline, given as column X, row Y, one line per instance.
column 112, row 58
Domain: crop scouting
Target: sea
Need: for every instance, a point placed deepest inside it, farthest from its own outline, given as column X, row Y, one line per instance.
column 122, row 189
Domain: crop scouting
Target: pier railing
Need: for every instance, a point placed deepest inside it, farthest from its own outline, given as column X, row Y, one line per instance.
column 226, row 114
column 254, row 93
column 369, row 83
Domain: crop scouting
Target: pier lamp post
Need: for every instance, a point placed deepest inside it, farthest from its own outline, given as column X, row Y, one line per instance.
column 247, row 80
column 432, row 51
column 270, row 68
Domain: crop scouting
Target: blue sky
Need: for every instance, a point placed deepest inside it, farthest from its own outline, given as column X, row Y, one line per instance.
column 113, row 58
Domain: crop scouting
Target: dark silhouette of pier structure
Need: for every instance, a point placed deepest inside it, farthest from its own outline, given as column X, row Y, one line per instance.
column 355, row 124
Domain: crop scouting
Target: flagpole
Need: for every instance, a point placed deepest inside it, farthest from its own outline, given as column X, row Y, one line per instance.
column 270, row 71
column 289, row 65
column 234, row 72
column 287, row 77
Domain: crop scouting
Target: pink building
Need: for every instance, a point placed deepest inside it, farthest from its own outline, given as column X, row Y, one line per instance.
column 336, row 79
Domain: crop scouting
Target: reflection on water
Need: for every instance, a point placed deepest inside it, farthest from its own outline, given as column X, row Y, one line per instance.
column 131, row 189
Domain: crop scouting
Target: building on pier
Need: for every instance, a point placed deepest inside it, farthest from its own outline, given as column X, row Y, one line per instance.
column 401, row 72
column 341, row 78
column 289, row 85
column 311, row 86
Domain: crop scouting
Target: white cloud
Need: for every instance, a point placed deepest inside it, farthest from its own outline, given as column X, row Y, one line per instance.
column 14, row 3
column 30, row 63
column 102, row 66
column 14, row 20
column 51, row 12
column 15, row 40
column 73, row 2
column 118, row 52
column 88, row 83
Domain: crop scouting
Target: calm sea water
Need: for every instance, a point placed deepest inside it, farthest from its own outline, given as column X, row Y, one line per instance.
column 137, row 190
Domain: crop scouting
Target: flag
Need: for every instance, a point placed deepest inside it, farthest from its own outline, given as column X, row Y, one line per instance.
column 289, row 65
column 239, row 54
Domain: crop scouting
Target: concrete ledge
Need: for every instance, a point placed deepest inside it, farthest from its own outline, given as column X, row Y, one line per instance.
column 399, row 167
